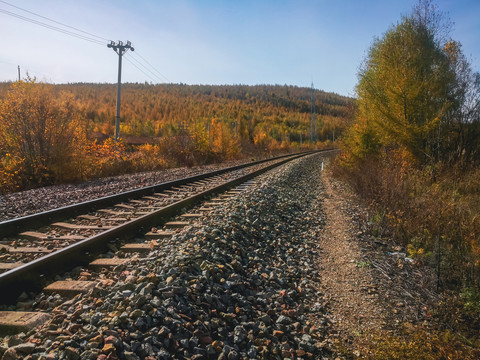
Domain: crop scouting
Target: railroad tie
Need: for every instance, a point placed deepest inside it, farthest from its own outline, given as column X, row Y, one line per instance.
column 9, row 266
column 70, row 288
column 88, row 217
column 114, row 213
column 141, row 248
column 141, row 213
column 124, row 206
column 33, row 235
column 201, row 182
column 116, row 219
column 81, row 227
column 139, row 202
column 181, row 189
column 108, row 262
column 148, row 208
column 161, row 234
column 151, row 198
column 213, row 203
column 28, row 250
column 176, row 224
column 95, row 218
column 225, row 197
column 191, row 216
column 14, row 322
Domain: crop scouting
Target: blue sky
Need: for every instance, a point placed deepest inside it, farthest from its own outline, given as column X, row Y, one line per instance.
column 294, row 42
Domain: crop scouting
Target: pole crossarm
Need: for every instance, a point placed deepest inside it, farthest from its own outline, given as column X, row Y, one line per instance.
column 120, row 48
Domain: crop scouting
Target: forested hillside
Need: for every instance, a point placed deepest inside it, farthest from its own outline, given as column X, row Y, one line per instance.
column 280, row 113
column 47, row 129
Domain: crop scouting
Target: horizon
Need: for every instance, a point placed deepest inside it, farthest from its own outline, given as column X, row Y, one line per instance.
column 182, row 84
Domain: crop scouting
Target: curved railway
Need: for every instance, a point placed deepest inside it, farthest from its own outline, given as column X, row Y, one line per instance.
column 38, row 247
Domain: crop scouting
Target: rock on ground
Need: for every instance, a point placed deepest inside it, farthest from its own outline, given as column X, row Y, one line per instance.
column 242, row 283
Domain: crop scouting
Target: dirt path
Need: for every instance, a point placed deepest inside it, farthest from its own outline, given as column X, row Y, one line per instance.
column 347, row 280
column 371, row 288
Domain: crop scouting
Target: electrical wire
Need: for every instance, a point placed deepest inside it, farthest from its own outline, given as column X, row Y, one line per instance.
column 91, row 38
column 132, row 58
column 54, row 21
column 55, row 28
column 147, row 75
column 158, row 72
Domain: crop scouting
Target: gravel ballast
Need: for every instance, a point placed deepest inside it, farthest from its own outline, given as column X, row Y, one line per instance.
column 33, row 201
column 241, row 283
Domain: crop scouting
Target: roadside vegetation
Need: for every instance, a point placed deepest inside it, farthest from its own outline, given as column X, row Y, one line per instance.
column 413, row 153
column 63, row 133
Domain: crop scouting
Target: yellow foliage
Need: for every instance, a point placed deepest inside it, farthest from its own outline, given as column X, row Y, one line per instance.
column 42, row 130
column 418, row 344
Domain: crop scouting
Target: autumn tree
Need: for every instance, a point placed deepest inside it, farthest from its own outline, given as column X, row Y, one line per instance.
column 416, row 137
column 408, row 85
column 461, row 130
column 39, row 133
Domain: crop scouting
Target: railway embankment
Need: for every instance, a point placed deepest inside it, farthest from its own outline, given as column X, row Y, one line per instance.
column 284, row 269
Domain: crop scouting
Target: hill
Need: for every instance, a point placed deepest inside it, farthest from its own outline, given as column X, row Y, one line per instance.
column 281, row 113
column 49, row 131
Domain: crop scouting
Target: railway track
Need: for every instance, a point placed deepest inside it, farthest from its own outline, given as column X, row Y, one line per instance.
column 103, row 235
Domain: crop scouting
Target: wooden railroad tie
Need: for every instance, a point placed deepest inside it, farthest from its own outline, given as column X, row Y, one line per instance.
column 191, row 216
column 142, row 248
column 33, row 235
column 70, row 288
column 81, row 227
column 14, row 322
column 108, row 262
column 176, row 224
column 9, row 266
column 161, row 234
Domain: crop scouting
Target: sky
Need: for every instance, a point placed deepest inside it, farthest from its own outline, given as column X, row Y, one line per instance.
column 293, row 42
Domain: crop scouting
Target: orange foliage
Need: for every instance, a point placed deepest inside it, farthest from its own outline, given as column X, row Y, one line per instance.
column 48, row 132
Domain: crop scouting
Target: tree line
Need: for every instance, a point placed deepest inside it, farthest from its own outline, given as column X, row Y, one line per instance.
column 55, row 133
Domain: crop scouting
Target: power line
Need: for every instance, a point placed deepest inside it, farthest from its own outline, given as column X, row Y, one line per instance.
column 153, row 67
column 54, row 21
column 91, row 38
column 156, row 78
column 55, row 28
column 147, row 75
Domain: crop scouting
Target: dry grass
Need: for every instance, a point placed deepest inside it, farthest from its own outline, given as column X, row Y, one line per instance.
column 432, row 212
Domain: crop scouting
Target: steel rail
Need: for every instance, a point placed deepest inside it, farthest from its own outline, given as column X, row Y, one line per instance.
column 17, row 225
column 32, row 276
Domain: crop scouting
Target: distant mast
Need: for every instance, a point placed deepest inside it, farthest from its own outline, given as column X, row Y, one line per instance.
column 312, row 117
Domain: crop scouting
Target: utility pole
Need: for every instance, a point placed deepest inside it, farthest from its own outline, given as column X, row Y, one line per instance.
column 120, row 49
column 313, row 137
column 18, row 72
